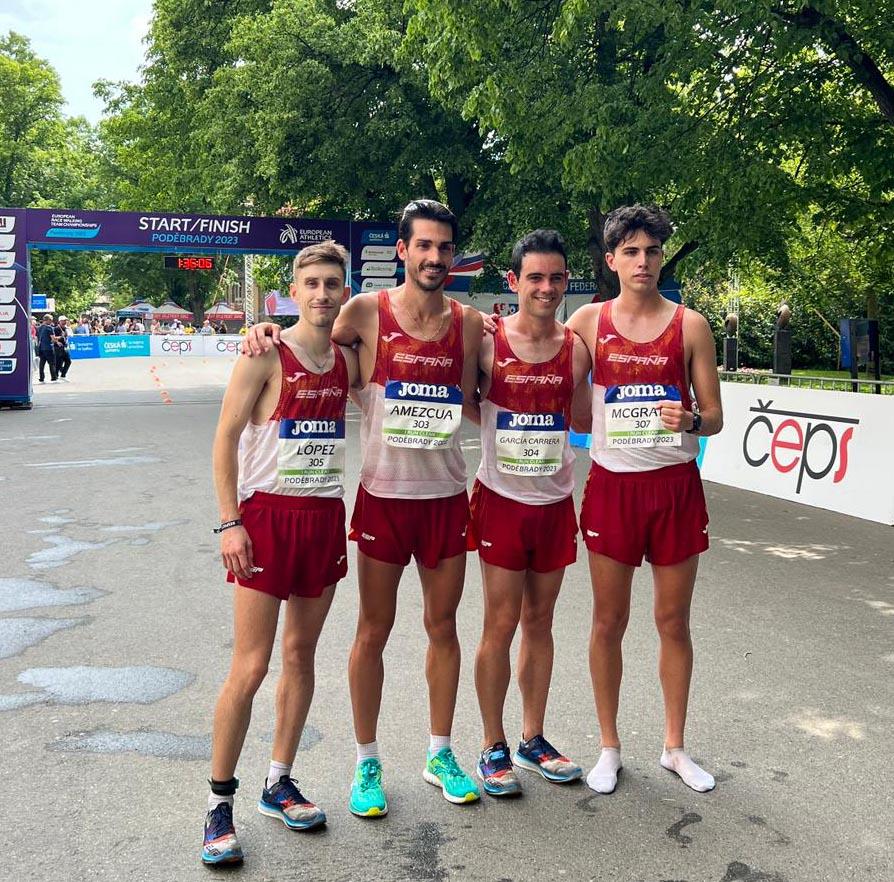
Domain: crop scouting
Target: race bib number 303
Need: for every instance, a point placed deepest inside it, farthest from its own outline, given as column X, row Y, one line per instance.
column 529, row 444
column 633, row 417
column 311, row 454
column 423, row 416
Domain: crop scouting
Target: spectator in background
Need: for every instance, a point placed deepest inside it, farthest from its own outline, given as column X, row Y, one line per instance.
column 46, row 348
column 222, row 328
column 189, row 329
column 206, row 327
column 137, row 327
column 83, row 326
column 63, row 357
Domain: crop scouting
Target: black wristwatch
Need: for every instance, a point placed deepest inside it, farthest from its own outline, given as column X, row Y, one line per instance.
column 696, row 423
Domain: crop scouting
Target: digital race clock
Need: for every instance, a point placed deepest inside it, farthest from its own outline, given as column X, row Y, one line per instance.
column 176, row 262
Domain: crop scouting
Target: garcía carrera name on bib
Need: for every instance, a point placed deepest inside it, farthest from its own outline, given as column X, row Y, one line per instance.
column 530, row 444
column 311, row 454
column 633, row 416
column 423, row 416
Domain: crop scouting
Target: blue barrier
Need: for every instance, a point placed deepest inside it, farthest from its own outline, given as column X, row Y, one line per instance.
column 81, row 346
column 109, row 346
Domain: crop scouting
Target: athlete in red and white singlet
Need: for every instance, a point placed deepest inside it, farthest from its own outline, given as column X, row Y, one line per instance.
column 523, row 522
column 279, row 455
column 644, row 496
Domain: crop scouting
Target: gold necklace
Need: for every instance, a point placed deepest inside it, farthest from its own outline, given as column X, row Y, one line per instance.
column 321, row 367
column 419, row 325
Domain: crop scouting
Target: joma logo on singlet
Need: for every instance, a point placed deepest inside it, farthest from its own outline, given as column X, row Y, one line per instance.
column 523, row 420
column 423, row 390
column 314, row 427
column 318, row 393
column 622, row 358
column 427, row 360
column 641, row 390
column 547, row 380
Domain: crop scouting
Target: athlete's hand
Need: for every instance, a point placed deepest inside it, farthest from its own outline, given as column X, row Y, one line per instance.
column 675, row 417
column 260, row 338
column 490, row 322
column 236, row 551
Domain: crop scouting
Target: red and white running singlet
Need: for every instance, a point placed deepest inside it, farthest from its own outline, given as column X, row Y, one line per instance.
column 412, row 409
column 629, row 379
column 524, row 425
column 300, row 450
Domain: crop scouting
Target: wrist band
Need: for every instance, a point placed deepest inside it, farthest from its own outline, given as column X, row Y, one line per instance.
column 226, row 525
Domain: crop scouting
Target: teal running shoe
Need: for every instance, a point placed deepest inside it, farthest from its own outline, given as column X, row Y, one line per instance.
column 367, row 795
column 443, row 771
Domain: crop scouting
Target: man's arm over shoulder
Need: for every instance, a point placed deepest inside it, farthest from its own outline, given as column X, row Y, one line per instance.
column 582, row 400
column 355, row 319
column 584, row 322
column 703, row 371
column 473, row 331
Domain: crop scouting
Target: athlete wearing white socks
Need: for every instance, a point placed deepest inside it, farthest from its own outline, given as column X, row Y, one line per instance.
column 652, row 360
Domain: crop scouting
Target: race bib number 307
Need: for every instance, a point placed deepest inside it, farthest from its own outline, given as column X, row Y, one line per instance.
column 311, row 454
column 423, row 416
column 633, row 417
column 530, row 444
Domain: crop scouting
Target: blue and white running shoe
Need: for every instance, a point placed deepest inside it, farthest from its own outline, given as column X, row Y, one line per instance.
column 221, row 845
column 538, row 755
column 285, row 801
column 496, row 772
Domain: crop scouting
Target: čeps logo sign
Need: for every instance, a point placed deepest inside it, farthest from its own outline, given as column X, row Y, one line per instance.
column 181, row 347
column 812, row 443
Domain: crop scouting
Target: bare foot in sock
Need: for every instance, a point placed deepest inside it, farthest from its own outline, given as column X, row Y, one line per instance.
column 603, row 777
column 693, row 775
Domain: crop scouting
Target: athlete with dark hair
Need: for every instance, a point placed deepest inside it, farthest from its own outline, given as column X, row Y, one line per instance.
column 655, row 391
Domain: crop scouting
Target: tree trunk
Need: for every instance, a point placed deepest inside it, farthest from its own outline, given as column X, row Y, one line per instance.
column 606, row 280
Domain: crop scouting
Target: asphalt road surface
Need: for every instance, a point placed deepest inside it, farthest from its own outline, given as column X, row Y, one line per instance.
column 115, row 635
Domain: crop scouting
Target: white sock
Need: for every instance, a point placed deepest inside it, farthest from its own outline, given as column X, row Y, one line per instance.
column 214, row 801
column 677, row 760
column 603, row 777
column 276, row 771
column 437, row 742
column 367, row 751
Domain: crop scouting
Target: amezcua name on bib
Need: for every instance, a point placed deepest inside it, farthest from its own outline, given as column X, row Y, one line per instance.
column 633, row 416
column 424, row 416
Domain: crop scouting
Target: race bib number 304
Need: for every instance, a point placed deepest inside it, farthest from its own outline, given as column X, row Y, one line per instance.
column 421, row 415
column 633, row 417
column 529, row 444
column 311, row 454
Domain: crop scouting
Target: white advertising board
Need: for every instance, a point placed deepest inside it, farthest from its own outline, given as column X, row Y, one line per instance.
column 196, row 345
column 828, row 449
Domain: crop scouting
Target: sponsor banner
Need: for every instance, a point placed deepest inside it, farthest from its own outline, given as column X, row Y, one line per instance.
column 372, row 244
column 15, row 373
column 196, row 233
column 123, row 345
column 176, row 345
column 8, row 347
column 827, row 449
column 223, row 346
column 83, row 346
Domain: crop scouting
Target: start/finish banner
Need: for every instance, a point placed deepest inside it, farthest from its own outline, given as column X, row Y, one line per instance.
column 828, row 449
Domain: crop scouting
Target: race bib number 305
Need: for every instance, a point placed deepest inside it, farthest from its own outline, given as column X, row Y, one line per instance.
column 421, row 415
column 311, row 454
column 633, row 417
column 529, row 444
